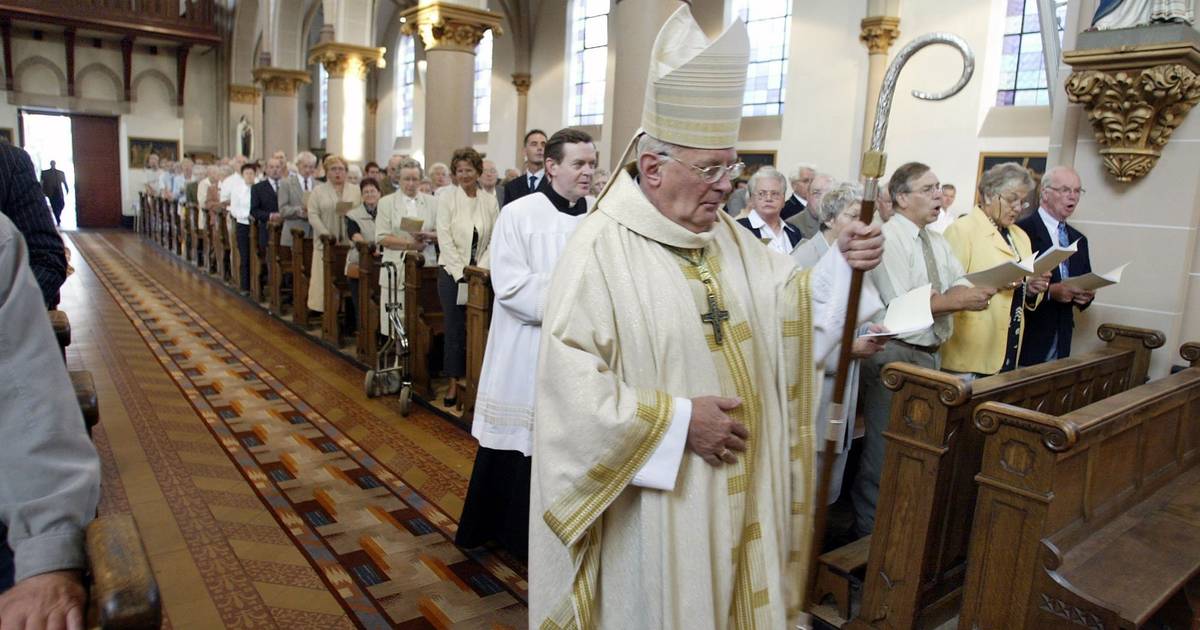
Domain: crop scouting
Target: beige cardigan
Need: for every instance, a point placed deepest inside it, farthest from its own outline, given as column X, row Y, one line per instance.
column 459, row 217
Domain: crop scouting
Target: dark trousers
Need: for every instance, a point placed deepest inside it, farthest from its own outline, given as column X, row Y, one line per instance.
column 57, row 204
column 455, row 346
column 243, row 245
column 877, row 407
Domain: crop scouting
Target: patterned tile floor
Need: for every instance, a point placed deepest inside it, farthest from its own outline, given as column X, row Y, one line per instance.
column 268, row 490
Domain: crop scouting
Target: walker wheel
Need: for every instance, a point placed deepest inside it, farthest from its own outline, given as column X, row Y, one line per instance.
column 389, row 382
column 369, row 385
column 405, row 399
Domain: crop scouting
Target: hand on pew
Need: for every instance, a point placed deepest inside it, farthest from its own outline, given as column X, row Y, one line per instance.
column 47, row 600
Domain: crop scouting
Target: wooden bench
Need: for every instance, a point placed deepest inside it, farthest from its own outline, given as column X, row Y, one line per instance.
column 220, row 239
column 302, row 255
column 279, row 260
column 122, row 593
column 85, row 393
column 234, row 279
column 424, row 321
column 479, row 319
column 912, row 574
column 337, row 288
column 1090, row 518
column 179, row 217
column 256, row 260
column 62, row 330
column 1190, row 352
column 369, row 306
column 191, row 215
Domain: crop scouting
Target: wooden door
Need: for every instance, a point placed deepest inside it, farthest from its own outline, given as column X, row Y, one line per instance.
column 97, row 171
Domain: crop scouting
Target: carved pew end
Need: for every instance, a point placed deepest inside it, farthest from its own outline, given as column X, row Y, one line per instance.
column 123, row 588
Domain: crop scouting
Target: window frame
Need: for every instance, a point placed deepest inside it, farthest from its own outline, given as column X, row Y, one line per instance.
column 404, row 81
column 576, row 85
column 776, row 107
column 1020, row 96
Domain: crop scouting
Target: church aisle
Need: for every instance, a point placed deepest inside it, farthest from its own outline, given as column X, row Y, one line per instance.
column 269, row 492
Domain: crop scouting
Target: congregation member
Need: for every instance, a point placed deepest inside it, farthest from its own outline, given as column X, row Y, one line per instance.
column 212, row 200
column 194, row 174
column 668, row 447
column 465, row 216
column 989, row 342
column 360, row 228
column 599, row 181
column 534, row 176
column 306, row 172
column 440, row 178
column 354, row 175
column 327, row 205
column 293, row 201
column 426, row 186
column 798, row 200
column 883, row 205
column 809, row 221
column 489, row 180
column 51, row 478
column 840, row 207
column 165, row 173
column 22, row 201
column 264, row 208
column 239, row 212
column 947, row 215
column 1049, row 326
column 54, row 186
column 150, row 175
column 527, row 240
column 408, row 202
column 391, row 180
column 372, row 171
column 766, row 191
column 739, row 200
column 914, row 256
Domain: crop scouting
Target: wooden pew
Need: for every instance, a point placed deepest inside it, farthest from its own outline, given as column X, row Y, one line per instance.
column 234, row 278
column 1190, row 352
column 915, row 561
column 62, row 330
column 369, row 306
column 279, row 259
column 256, row 260
column 302, row 255
column 220, row 240
column 337, row 288
column 479, row 319
column 1090, row 518
column 199, row 238
column 123, row 592
column 156, row 220
column 139, row 221
column 423, row 319
column 178, row 244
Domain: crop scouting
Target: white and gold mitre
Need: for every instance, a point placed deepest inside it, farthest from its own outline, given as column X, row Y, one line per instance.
column 694, row 91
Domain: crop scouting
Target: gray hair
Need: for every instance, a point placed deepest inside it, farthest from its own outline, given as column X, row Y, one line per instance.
column 803, row 167
column 649, row 145
column 306, row 157
column 436, row 166
column 410, row 163
column 199, row 171
column 1048, row 176
column 1002, row 177
column 837, row 199
column 766, row 172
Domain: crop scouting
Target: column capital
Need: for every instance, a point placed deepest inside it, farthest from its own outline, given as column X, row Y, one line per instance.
column 447, row 26
column 1135, row 98
column 247, row 94
column 281, row 81
column 879, row 32
column 522, row 81
column 347, row 60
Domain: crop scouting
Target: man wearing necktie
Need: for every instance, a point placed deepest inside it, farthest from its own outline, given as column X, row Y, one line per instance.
column 1048, row 328
column 535, row 170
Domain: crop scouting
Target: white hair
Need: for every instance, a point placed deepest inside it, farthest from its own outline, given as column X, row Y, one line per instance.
column 766, row 172
column 306, row 157
column 837, row 199
column 649, row 145
column 800, row 168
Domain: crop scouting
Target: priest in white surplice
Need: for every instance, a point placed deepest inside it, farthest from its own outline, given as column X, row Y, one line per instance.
column 526, row 242
column 674, row 456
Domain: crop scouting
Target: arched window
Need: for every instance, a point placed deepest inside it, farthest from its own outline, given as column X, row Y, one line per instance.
column 323, row 101
column 483, row 83
column 406, row 66
column 588, row 62
column 1022, row 65
column 769, row 24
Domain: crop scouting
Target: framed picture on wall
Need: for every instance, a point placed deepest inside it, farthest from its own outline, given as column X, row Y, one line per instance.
column 1035, row 162
column 755, row 160
column 141, row 148
column 6, row 135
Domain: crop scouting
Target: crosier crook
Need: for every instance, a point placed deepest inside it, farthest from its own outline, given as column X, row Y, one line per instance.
column 873, row 165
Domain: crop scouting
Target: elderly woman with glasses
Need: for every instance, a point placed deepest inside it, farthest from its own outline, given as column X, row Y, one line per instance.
column 767, row 192
column 989, row 341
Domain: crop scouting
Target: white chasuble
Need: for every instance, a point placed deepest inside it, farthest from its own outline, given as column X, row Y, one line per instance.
column 643, row 315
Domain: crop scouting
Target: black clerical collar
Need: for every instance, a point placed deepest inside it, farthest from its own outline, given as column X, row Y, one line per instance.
column 562, row 205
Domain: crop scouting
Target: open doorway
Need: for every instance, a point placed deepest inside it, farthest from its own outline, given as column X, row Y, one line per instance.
column 48, row 138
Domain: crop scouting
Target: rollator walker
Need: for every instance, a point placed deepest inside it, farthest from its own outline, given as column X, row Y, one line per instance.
column 392, row 368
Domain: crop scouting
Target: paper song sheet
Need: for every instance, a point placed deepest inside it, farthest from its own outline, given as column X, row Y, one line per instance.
column 1093, row 281
column 908, row 313
column 1002, row 275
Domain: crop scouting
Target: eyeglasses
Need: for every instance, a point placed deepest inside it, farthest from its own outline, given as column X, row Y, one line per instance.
column 1078, row 192
column 930, row 189
column 711, row 174
column 1017, row 202
column 767, row 195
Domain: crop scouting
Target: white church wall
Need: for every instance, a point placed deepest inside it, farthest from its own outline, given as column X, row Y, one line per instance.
column 201, row 99
column 548, row 69
column 502, row 136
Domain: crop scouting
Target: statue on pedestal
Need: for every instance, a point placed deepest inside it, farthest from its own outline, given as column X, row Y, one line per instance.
column 1113, row 14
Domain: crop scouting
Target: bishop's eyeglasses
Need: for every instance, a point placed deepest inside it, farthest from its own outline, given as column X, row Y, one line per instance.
column 711, row 174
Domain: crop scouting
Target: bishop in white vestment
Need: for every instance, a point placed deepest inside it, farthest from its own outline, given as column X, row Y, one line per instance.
column 654, row 504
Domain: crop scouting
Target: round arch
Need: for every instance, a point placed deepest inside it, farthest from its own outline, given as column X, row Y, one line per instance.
column 102, row 70
column 154, row 75
column 38, row 61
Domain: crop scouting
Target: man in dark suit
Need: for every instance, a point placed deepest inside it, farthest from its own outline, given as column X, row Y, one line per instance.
column 22, row 199
column 798, row 200
column 264, row 206
column 534, row 177
column 54, row 186
column 1048, row 328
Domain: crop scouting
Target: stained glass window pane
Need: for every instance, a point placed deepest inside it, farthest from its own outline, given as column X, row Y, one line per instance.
column 323, row 97
column 483, row 83
column 1022, row 64
column 768, row 23
column 588, row 62
column 406, row 66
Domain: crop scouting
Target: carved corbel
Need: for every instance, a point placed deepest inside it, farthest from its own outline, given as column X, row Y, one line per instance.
column 281, row 81
column 347, row 60
column 445, row 26
column 879, row 32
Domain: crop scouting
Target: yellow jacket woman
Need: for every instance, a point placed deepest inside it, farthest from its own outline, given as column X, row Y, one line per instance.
column 989, row 341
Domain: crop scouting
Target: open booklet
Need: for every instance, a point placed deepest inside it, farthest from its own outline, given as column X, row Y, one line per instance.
column 1051, row 258
column 1004, row 274
column 908, row 313
column 1093, row 281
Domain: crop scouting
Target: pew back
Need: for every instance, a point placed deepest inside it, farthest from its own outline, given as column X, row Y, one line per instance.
column 337, row 288
column 302, row 255
column 279, row 259
column 423, row 319
column 479, row 320
column 368, row 303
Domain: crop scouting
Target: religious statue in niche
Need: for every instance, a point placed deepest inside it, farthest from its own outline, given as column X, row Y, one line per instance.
column 245, row 138
column 1128, row 13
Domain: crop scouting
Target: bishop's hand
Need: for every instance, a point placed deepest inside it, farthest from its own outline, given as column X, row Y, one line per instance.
column 712, row 434
column 861, row 245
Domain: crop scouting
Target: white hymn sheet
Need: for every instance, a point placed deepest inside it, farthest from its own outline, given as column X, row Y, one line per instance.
column 908, row 313
column 1002, row 275
column 1049, row 259
column 1093, row 281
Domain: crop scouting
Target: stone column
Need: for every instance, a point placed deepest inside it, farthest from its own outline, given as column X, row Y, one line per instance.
column 522, row 81
column 878, row 33
column 450, row 33
column 280, row 127
column 637, row 22
column 347, row 66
